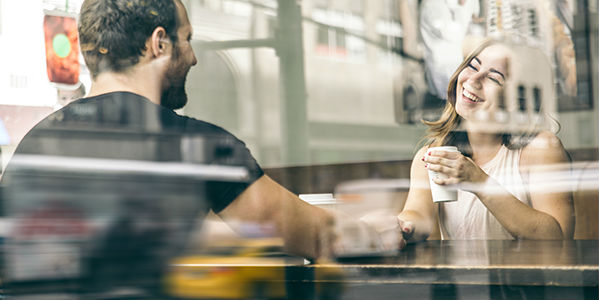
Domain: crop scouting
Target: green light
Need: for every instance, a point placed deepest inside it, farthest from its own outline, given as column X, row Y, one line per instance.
column 61, row 45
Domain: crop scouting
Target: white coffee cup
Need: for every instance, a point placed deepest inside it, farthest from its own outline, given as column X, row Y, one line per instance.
column 442, row 193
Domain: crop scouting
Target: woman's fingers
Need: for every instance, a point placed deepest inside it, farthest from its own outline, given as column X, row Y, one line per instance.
column 448, row 159
column 446, row 181
column 406, row 227
column 449, row 171
column 440, row 161
column 453, row 165
column 445, row 154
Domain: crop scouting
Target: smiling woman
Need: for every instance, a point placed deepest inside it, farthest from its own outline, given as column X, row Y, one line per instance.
column 488, row 93
column 503, row 143
column 476, row 88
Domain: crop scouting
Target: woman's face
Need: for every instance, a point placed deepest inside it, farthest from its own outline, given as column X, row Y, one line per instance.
column 480, row 85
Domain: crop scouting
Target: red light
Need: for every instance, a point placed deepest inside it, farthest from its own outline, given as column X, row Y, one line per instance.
column 62, row 49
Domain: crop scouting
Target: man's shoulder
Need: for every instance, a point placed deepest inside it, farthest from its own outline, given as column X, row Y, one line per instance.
column 194, row 124
column 118, row 96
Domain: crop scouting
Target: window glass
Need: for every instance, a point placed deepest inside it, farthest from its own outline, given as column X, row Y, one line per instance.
column 333, row 99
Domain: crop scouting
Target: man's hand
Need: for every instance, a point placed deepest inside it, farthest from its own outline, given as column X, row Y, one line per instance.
column 307, row 230
column 375, row 232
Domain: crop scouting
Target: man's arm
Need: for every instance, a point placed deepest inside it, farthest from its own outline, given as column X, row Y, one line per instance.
column 307, row 230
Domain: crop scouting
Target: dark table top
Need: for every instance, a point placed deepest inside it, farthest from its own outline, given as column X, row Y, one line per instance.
column 521, row 262
column 443, row 270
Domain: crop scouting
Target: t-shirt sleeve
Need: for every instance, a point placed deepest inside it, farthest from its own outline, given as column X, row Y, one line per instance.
column 222, row 148
column 222, row 193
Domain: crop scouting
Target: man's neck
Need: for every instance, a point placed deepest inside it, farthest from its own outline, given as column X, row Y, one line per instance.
column 134, row 82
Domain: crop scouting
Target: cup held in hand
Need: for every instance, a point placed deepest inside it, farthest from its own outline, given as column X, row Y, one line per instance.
column 442, row 193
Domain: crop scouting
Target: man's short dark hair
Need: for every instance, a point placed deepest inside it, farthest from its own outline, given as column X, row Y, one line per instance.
column 113, row 33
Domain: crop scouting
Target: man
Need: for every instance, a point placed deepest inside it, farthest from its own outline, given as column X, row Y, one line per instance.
column 122, row 158
column 105, row 191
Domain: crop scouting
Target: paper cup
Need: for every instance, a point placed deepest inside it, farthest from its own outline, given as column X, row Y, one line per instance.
column 442, row 193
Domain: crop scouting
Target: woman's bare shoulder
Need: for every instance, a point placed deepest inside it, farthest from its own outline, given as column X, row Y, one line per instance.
column 422, row 150
column 544, row 148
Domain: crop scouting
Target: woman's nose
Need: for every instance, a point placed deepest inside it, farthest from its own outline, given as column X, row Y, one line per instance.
column 476, row 79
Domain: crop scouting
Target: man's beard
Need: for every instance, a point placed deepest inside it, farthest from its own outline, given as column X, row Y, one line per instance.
column 174, row 96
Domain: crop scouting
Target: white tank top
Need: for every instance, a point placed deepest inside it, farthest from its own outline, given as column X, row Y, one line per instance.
column 468, row 218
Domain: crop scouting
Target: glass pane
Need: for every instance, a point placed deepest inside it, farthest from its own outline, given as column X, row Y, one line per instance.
column 333, row 100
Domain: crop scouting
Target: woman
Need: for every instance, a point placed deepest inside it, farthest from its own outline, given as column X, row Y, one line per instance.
column 494, row 171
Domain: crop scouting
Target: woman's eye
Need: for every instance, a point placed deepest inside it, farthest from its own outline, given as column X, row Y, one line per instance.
column 471, row 66
column 499, row 82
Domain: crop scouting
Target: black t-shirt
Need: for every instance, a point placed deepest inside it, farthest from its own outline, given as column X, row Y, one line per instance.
column 107, row 190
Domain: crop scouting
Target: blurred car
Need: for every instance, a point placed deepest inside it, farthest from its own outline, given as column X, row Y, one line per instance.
column 256, row 269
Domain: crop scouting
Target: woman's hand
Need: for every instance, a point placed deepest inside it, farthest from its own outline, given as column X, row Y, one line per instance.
column 457, row 168
column 393, row 232
column 407, row 232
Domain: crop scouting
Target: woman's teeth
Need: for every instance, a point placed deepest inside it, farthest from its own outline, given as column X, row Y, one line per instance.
column 472, row 97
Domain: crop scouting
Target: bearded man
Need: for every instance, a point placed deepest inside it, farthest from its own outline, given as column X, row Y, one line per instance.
column 129, row 176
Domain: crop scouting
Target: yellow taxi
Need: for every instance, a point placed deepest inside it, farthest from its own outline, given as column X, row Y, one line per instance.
column 254, row 268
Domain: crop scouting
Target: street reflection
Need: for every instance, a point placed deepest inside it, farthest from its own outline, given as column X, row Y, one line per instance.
column 250, row 268
column 102, row 200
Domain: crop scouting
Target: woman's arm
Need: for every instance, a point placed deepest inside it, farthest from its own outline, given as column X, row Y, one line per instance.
column 542, row 162
column 551, row 214
column 417, row 219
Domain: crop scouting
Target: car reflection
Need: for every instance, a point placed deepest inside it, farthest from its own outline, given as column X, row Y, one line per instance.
column 254, row 268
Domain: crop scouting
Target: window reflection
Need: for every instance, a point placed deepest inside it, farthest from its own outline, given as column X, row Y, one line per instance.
column 215, row 82
column 366, row 91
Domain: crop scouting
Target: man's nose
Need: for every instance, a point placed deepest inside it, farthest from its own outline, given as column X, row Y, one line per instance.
column 195, row 60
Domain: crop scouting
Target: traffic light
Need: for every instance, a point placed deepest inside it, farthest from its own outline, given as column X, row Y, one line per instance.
column 62, row 49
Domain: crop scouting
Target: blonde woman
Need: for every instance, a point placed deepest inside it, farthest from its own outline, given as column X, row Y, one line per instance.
column 495, row 171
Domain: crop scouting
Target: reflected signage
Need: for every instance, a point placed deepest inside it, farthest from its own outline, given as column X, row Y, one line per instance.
column 62, row 49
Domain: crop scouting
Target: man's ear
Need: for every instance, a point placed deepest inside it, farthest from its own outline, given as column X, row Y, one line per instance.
column 159, row 42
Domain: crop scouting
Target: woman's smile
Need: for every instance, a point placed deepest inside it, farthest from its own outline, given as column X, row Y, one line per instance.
column 471, row 97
